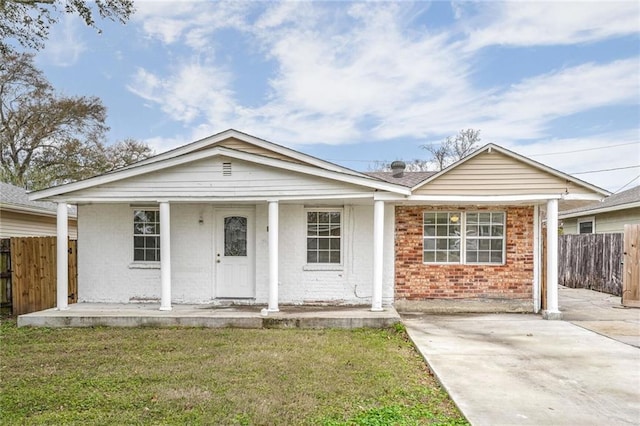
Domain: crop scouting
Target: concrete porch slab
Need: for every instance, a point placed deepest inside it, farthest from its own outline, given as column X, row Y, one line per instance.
column 149, row 315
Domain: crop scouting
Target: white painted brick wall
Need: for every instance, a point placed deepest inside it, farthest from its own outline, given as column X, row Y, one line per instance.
column 105, row 256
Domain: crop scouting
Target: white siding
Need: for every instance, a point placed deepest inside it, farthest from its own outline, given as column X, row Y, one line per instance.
column 14, row 224
column 205, row 178
column 605, row 222
column 105, row 253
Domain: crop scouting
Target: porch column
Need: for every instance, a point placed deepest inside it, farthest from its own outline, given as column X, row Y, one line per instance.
column 62, row 256
column 378, row 258
column 273, row 255
column 552, row 311
column 165, row 255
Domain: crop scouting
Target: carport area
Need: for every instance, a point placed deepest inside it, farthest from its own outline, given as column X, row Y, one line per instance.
column 601, row 313
column 518, row 369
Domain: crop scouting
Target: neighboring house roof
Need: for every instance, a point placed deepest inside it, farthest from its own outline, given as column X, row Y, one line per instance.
column 518, row 157
column 621, row 201
column 409, row 179
column 16, row 199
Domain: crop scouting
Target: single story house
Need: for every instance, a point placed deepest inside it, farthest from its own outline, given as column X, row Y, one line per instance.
column 21, row 217
column 608, row 216
column 236, row 219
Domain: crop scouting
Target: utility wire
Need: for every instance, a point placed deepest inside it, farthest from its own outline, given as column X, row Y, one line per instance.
column 585, row 149
column 530, row 155
column 605, row 170
column 626, row 184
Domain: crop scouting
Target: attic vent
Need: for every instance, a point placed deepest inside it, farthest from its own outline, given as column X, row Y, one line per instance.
column 226, row 169
column 397, row 168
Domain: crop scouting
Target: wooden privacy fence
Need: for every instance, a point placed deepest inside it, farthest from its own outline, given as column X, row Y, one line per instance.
column 33, row 273
column 592, row 261
column 631, row 274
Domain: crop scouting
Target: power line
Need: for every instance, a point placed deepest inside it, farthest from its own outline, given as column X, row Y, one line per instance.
column 605, row 170
column 530, row 155
column 626, row 184
column 585, row 149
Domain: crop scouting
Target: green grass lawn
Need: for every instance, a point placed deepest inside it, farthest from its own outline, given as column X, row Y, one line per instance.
column 216, row 376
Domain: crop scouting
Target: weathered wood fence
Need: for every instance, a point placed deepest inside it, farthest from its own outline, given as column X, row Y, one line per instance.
column 33, row 274
column 631, row 274
column 592, row 261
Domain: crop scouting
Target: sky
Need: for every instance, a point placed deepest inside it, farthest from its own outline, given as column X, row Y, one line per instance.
column 357, row 83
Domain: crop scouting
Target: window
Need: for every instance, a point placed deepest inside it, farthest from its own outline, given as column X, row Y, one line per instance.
column 464, row 237
column 442, row 237
column 586, row 226
column 484, row 237
column 324, row 239
column 146, row 236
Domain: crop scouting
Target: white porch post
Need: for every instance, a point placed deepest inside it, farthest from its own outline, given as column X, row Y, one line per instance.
column 378, row 258
column 165, row 255
column 536, row 259
column 552, row 311
column 62, row 252
column 273, row 255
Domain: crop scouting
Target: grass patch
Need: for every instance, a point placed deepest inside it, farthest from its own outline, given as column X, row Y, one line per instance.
column 216, row 376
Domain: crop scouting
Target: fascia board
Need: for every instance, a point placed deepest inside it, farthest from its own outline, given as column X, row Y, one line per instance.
column 31, row 210
column 231, row 133
column 216, row 151
column 597, row 210
column 526, row 160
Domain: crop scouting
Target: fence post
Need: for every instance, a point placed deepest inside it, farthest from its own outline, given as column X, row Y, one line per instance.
column 62, row 274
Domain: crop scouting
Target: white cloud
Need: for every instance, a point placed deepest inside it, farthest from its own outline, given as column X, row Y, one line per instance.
column 193, row 92
column 531, row 23
column 355, row 72
column 576, row 155
column 191, row 22
column 65, row 45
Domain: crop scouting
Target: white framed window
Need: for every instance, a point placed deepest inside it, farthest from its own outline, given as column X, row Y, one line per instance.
column 587, row 225
column 146, row 235
column 442, row 237
column 464, row 237
column 324, row 236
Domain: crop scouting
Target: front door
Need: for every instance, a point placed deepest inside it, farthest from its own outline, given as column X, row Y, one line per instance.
column 234, row 254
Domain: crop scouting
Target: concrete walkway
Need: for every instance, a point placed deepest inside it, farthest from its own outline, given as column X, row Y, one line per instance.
column 518, row 369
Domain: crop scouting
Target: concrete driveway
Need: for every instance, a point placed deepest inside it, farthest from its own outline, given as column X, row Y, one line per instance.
column 518, row 369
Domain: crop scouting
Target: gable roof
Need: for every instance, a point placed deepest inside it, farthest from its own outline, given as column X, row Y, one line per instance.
column 220, row 138
column 621, row 201
column 16, row 198
column 207, row 149
column 408, row 179
column 517, row 157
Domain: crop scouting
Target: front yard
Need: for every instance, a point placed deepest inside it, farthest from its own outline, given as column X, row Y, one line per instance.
column 216, row 376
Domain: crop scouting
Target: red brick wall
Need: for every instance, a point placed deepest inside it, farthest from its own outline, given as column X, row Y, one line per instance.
column 415, row 280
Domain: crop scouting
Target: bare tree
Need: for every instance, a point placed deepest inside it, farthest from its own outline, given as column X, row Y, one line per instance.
column 465, row 143
column 27, row 22
column 453, row 148
column 48, row 139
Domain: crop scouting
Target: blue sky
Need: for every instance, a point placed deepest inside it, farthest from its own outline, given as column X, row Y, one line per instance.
column 359, row 82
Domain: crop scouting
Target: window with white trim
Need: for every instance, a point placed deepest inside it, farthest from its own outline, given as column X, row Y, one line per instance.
column 464, row 237
column 324, row 236
column 146, row 235
column 587, row 225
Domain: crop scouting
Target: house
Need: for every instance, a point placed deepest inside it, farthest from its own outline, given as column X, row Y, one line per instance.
column 236, row 219
column 21, row 217
column 608, row 216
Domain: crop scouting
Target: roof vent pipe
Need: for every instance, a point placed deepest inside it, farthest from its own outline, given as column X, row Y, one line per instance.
column 397, row 168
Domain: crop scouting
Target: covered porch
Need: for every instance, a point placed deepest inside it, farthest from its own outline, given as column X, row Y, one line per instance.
column 254, row 316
